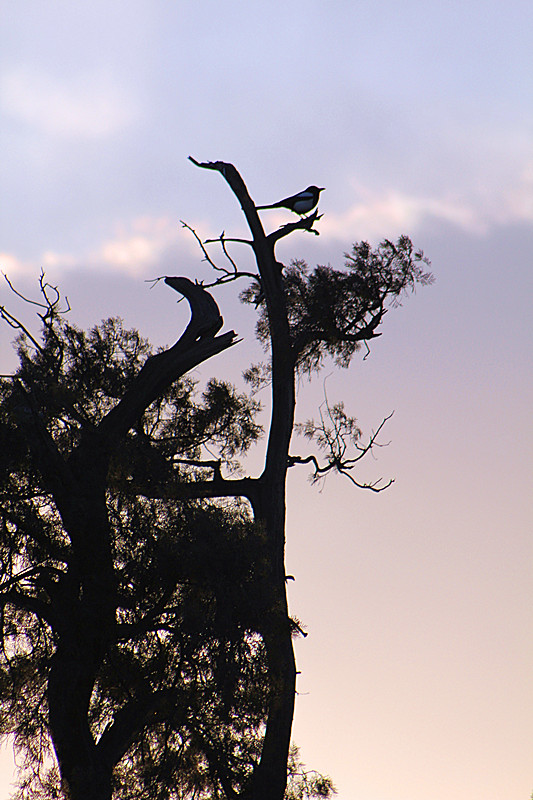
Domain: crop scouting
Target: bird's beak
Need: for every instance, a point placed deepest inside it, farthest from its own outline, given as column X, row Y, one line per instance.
column 322, row 189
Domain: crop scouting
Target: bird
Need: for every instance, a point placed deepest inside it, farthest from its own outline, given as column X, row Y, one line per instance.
column 300, row 203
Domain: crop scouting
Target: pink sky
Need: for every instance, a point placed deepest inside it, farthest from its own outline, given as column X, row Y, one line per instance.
column 417, row 117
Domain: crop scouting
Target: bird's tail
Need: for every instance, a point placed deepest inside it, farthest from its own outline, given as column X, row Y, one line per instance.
column 273, row 205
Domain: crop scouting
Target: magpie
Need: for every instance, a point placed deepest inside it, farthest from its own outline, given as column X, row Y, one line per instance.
column 300, row 203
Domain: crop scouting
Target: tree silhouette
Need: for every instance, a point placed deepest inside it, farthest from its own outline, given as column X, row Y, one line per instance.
column 144, row 607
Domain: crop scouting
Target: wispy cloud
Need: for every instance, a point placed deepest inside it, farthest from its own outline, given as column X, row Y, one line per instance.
column 12, row 266
column 149, row 245
column 90, row 105
column 394, row 213
column 476, row 212
column 144, row 245
column 139, row 246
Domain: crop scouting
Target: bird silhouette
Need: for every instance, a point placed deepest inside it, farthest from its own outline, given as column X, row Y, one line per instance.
column 300, row 203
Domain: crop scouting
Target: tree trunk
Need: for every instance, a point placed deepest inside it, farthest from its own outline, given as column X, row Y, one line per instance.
column 270, row 776
column 86, row 602
column 84, row 776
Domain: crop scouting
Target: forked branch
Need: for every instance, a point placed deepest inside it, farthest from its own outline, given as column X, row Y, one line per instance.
column 336, row 435
column 227, row 274
column 50, row 305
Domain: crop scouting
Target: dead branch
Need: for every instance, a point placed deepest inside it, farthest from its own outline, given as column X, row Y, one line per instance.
column 334, row 442
column 341, row 468
column 197, row 344
column 206, row 319
column 51, row 307
column 207, row 257
column 303, row 224
column 228, row 275
column 238, row 187
column 16, row 324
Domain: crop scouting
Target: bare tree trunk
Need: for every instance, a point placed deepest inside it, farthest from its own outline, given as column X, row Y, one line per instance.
column 270, row 776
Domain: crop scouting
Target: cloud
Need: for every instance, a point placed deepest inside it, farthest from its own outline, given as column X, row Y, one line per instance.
column 151, row 246
column 51, row 260
column 89, row 105
column 144, row 245
column 518, row 201
column 394, row 211
column 12, row 266
column 138, row 247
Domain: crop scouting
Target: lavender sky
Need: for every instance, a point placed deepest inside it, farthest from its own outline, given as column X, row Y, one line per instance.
column 417, row 116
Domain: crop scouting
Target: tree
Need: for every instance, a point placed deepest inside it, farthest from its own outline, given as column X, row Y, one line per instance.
column 145, row 617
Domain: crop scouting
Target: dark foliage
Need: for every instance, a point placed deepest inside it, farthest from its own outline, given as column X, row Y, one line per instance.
column 187, row 605
column 184, row 572
column 332, row 311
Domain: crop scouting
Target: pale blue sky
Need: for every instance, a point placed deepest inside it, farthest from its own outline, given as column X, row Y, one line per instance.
column 418, row 118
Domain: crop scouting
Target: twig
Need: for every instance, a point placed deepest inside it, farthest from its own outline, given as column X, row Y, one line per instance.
column 305, row 223
column 15, row 323
column 228, row 275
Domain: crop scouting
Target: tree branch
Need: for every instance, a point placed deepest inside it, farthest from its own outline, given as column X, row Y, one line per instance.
column 228, row 275
column 206, row 319
column 334, row 441
column 28, row 603
column 191, row 490
column 15, row 323
column 197, row 344
column 342, row 468
column 305, row 224
column 238, row 187
column 133, row 717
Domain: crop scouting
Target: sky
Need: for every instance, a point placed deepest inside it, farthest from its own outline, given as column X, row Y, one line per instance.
column 417, row 117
